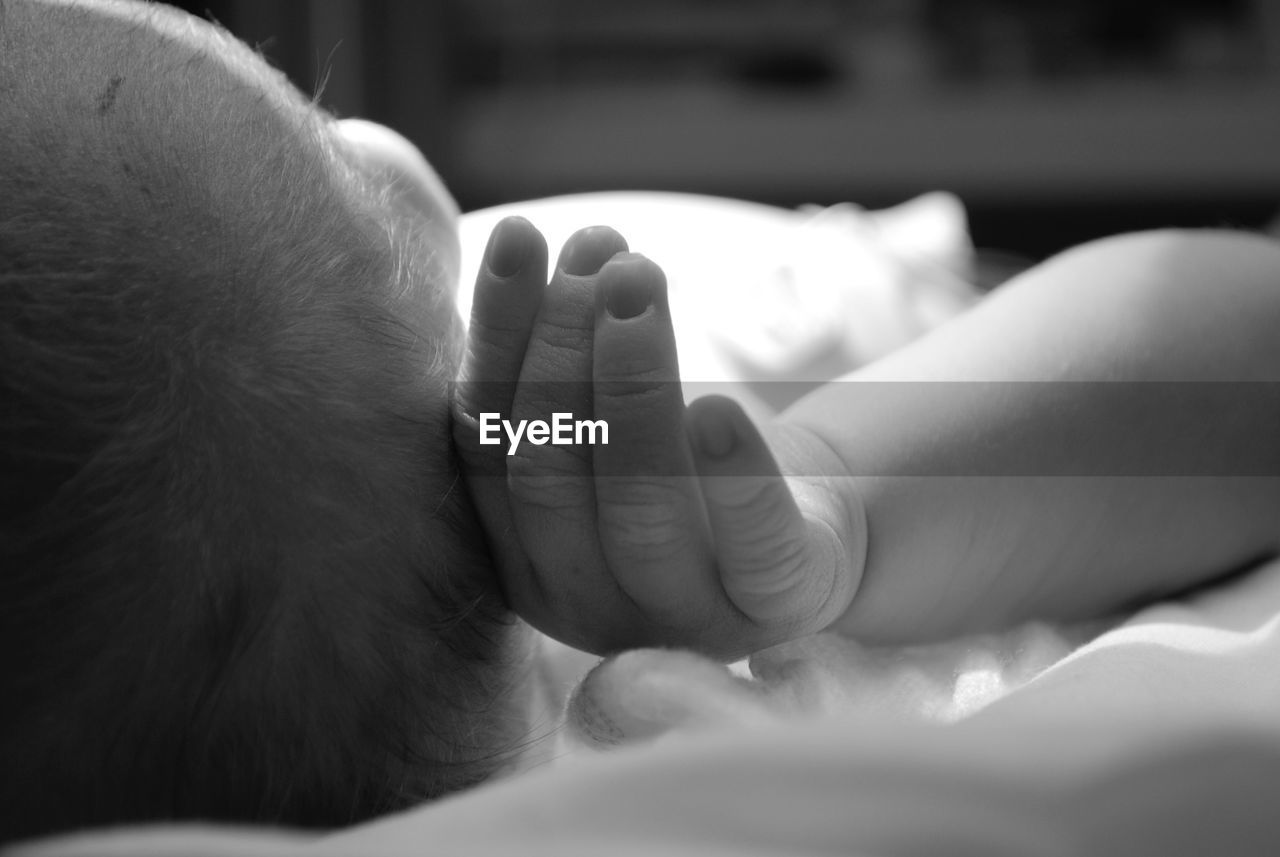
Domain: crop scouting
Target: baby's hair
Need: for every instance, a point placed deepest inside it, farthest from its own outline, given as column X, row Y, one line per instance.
column 237, row 577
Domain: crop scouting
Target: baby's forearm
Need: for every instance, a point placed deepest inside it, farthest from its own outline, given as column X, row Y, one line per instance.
column 1056, row 472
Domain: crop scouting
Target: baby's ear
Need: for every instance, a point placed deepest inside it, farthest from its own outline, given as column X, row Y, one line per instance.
column 932, row 227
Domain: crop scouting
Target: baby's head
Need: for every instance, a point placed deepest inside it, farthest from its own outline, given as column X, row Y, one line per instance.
column 239, row 578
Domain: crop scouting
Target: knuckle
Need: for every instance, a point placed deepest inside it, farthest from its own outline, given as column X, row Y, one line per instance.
column 565, row 338
column 659, row 497
column 557, row 362
column 647, row 513
column 541, row 491
column 780, row 557
column 758, row 508
column 769, row 581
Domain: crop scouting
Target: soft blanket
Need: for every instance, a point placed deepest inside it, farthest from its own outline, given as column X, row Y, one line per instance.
column 1159, row 737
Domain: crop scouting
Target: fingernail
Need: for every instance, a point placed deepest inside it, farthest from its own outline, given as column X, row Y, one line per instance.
column 586, row 255
column 628, row 292
column 508, row 248
column 714, row 432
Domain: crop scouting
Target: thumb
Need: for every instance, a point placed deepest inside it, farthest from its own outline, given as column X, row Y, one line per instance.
column 785, row 568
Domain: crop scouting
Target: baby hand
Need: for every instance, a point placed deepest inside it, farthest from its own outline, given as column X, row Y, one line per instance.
column 680, row 530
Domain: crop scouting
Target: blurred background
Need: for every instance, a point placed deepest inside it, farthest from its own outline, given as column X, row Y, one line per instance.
column 1054, row 122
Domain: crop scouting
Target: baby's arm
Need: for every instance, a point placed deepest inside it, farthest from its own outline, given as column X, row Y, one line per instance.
column 704, row 546
column 1064, row 483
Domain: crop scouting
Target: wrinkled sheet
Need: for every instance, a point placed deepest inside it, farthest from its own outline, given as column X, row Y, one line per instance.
column 767, row 301
column 1159, row 737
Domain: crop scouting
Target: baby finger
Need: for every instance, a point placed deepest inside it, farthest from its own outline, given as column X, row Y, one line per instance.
column 789, row 573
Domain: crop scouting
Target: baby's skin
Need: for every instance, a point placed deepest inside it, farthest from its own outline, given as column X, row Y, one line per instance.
column 910, row 510
column 680, row 530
